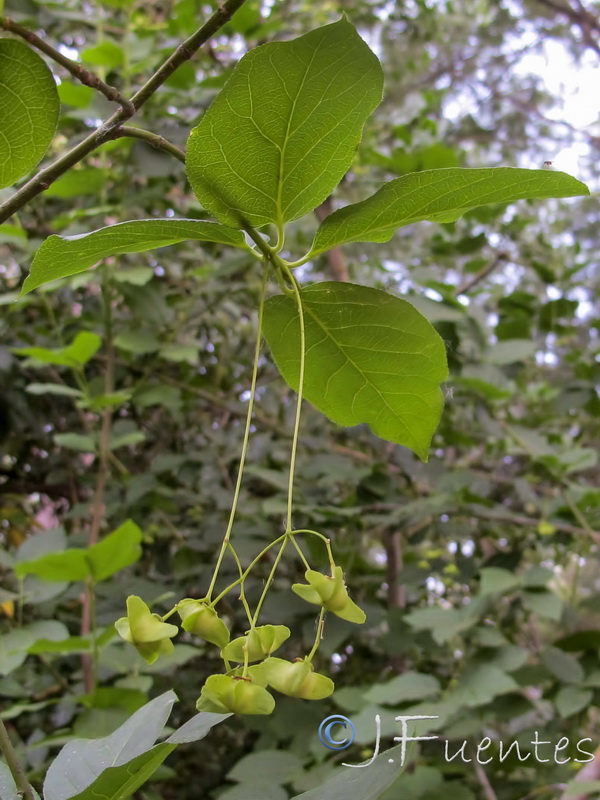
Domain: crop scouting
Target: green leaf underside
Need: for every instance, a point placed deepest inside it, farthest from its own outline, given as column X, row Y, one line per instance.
column 115, row 766
column 119, row 783
column 370, row 358
column 283, row 131
column 29, row 108
column 440, row 195
column 60, row 256
column 82, row 761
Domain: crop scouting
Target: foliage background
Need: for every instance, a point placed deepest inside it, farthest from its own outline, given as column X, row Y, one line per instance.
column 479, row 569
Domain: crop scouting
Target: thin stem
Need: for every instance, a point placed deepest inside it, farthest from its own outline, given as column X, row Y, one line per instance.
column 159, row 142
column 269, row 580
column 102, row 134
column 14, row 765
column 248, row 569
column 242, row 587
column 325, row 540
column 83, row 75
column 300, row 553
column 319, row 636
column 240, row 473
column 296, row 288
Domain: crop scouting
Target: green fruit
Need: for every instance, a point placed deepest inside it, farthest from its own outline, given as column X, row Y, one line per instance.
column 260, row 643
column 331, row 593
column 202, row 620
column 296, row 679
column 222, row 694
column 145, row 631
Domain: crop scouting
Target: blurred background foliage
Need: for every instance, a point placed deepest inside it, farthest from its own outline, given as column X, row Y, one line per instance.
column 478, row 570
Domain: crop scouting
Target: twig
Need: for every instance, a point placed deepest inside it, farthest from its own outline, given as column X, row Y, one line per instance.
column 482, row 274
column 14, row 765
column 86, row 77
column 157, row 141
column 514, row 519
column 484, row 781
column 104, row 133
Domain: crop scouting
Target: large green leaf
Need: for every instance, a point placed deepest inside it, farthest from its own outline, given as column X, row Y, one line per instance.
column 60, row 256
column 283, row 131
column 81, row 761
column 440, row 195
column 112, row 768
column 29, row 108
column 119, row 783
column 118, row 550
column 370, row 357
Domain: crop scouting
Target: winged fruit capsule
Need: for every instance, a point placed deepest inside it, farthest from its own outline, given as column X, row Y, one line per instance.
column 260, row 642
column 296, row 679
column 222, row 694
column 199, row 618
column 146, row 631
column 331, row 593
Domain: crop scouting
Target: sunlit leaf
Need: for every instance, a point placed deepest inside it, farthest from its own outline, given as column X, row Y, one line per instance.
column 370, row 357
column 440, row 195
column 29, row 109
column 60, row 256
column 284, row 129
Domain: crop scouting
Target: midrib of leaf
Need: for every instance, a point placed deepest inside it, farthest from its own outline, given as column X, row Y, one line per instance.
column 360, row 372
column 287, row 137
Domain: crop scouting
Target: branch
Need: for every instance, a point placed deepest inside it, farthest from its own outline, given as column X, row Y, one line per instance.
column 484, row 781
column 481, row 275
column 159, row 142
column 14, row 765
column 104, row 133
column 86, row 77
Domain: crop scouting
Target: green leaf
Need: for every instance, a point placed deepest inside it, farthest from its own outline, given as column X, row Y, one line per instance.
column 60, row 256
column 495, row 580
column 133, row 437
column 480, row 684
column 118, row 550
column 440, row 195
column 368, row 783
column 562, row 665
column 8, row 788
column 370, row 357
column 570, row 700
column 409, row 686
column 114, row 767
column 14, row 645
column 58, row 389
column 29, row 109
column 88, row 180
column 273, row 766
column 70, row 565
column 76, row 441
column 283, row 131
column 119, row 783
column 82, row 761
column 546, row 604
column 108, row 54
column 83, row 347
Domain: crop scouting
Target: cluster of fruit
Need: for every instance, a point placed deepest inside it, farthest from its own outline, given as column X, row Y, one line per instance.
column 244, row 689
